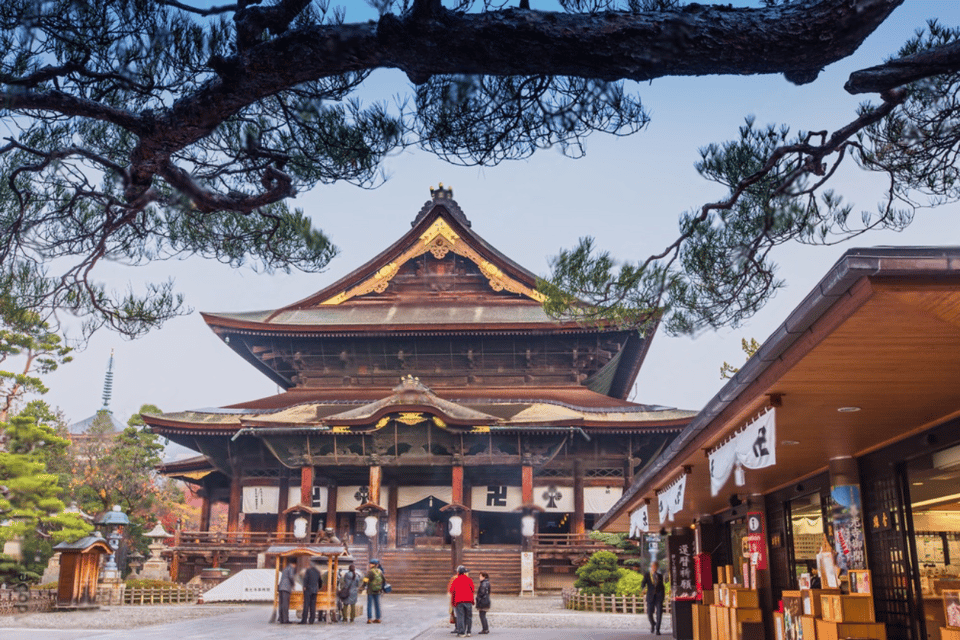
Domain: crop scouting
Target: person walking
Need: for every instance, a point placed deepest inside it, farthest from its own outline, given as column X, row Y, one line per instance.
column 348, row 591
column 373, row 582
column 483, row 600
column 284, row 587
column 462, row 592
column 655, row 592
column 311, row 587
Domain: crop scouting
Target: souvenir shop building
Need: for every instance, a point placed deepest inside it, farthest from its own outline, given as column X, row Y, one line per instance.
column 843, row 435
column 427, row 384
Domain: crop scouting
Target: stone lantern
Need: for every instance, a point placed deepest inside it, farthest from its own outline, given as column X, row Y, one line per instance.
column 112, row 522
column 156, row 568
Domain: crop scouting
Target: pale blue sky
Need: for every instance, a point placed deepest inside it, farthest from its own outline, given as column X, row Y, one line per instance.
column 627, row 192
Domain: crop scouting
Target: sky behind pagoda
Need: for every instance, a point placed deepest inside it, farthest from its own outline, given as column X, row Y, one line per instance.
column 627, row 193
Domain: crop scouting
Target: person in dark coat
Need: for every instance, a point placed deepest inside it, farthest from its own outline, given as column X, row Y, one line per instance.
column 483, row 600
column 655, row 592
column 284, row 587
column 311, row 587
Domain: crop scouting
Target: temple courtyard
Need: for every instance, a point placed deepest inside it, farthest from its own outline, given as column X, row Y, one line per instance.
column 404, row 617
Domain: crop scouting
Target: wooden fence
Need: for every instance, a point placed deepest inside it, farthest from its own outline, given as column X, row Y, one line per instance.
column 186, row 594
column 574, row 599
column 13, row 601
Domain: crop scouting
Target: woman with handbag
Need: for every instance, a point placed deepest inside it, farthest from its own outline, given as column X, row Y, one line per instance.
column 347, row 593
column 483, row 600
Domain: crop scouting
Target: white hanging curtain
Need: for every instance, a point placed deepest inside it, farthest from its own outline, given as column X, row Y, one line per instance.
column 670, row 501
column 639, row 522
column 261, row 500
column 753, row 448
column 349, row 498
column 600, row 499
column 554, row 498
column 496, row 498
column 407, row 496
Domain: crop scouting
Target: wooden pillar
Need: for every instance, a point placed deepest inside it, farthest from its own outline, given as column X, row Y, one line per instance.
column 456, row 484
column 283, row 501
column 579, row 526
column 376, row 476
column 468, row 516
column 306, row 485
column 526, row 484
column 526, row 496
column 205, row 508
column 236, row 502
column 628, row 465
column 392, row 514
column 331, row 519
column 456, row 550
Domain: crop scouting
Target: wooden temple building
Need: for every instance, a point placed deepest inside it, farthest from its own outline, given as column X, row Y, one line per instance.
column 428, row 382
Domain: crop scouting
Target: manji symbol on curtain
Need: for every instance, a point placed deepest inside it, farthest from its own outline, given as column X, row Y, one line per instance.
column 753, row 448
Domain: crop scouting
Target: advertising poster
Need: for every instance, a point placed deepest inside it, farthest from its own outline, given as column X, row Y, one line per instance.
column 848, row 528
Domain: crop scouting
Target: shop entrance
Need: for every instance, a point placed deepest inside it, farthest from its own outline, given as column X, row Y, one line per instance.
column 807, row 535
column 934, row 486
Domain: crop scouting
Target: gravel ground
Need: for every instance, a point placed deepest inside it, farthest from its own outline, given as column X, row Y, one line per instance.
column 542, row 612
column 127, row 617
column 547, row 612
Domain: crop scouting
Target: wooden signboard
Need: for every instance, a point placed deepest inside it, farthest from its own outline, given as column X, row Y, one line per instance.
column 683, row 582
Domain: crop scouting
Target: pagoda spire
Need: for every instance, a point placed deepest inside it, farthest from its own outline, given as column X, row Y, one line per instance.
column 108, row 385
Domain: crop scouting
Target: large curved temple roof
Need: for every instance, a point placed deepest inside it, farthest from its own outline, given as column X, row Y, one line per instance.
column 458, row 323
column 441, row 304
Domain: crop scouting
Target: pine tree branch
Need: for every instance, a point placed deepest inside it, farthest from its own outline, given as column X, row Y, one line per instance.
column 900, row 71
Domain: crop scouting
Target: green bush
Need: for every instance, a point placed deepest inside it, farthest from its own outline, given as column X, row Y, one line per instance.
column 599, row 575
column 630, row 583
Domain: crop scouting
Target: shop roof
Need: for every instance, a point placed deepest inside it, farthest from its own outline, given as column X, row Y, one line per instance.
column 880, row 332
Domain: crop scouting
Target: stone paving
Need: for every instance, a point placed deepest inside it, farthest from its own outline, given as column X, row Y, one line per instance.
column 405, row 617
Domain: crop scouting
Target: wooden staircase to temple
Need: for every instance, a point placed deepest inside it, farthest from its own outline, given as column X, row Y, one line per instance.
column 503, row 565
column 429, row 570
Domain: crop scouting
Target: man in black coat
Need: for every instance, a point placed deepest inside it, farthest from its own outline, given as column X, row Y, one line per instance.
column 311, row 587
column 655, row 592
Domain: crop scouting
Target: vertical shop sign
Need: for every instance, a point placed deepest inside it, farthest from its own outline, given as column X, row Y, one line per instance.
column 682, row 579
column 756, row 540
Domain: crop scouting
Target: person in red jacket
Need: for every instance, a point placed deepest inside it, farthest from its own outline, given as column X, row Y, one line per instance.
column 461, row 592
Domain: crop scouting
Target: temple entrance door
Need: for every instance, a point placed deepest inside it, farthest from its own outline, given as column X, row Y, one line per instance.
column 554, row 524
column 422, row 524
column 499, row 529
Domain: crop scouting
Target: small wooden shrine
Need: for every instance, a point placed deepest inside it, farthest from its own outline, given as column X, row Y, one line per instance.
column 80, row 571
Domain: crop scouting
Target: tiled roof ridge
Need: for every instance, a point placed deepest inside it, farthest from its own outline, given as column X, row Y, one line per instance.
column 633, row 408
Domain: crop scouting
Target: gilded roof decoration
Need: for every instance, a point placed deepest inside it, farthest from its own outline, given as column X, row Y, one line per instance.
column 438, row 239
